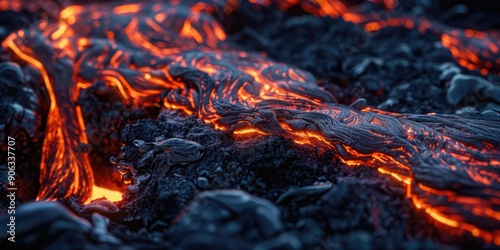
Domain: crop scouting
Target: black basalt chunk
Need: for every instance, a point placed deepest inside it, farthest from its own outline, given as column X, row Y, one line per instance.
column 224, row 214
column 61, row 229
column 471, row 90
column 179, row 151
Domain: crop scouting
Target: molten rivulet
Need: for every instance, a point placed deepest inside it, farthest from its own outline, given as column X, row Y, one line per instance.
column 176, row 54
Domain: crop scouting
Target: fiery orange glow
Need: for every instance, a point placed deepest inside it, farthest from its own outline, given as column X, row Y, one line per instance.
column 100, row 192
column 15, row 5
column 177, row 54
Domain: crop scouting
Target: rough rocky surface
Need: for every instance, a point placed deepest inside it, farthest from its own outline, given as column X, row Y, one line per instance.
column 395, row 69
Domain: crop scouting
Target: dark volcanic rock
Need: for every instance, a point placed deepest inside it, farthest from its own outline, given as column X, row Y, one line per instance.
column 227, row 214
column 313, row 192
column 465, row 90
column 353, row 64
column 319, row 218
column 21, row 116
column 61, row 229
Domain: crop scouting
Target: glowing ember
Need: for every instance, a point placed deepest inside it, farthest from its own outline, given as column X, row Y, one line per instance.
column 100, row 192
column 176, row 54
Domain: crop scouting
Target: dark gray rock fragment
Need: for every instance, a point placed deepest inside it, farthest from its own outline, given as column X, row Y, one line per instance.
column 448, row 70
column 230, row 214
column 180, row 151
column 471, row 90
column 299, row 194
column 61, row 229
column 202, row 182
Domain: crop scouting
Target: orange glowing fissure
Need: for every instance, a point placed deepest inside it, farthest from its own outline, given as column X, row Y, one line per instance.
column 177, row 52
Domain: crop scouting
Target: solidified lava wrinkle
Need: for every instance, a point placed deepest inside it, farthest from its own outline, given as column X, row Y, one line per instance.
column 176, row 54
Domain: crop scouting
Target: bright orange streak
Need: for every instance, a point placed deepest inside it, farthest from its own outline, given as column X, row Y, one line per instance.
column 127, row 9
column 100, row 192
column 189, row 31
column 65, row 164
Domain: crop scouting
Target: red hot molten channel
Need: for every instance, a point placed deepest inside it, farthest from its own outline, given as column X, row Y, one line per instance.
column 176, row 54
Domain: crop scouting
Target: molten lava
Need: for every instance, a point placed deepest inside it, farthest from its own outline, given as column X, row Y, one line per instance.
column 100, row 192
column 175, row 53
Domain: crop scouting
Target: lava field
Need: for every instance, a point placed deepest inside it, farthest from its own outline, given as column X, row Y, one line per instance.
column 249, row 124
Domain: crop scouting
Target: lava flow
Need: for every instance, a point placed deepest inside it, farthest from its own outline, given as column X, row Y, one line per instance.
column 175, row 53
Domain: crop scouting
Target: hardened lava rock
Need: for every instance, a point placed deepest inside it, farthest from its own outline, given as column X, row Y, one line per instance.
column 231, row 219
column 467, row 90
column 226, row 163
column 61, row 229
column 321, row 203
column 394, row 69
column 179, row 151
column 21, row 115
column 351, row 214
